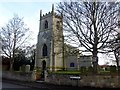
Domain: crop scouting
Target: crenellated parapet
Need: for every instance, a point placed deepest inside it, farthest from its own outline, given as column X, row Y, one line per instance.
column 57, row 16
column 52, row 13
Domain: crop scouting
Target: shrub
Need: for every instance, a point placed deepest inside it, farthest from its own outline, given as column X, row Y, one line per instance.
column 83, row 70
column 112, row 68
column 38, row 73
column 118, row 68
column 90, row 69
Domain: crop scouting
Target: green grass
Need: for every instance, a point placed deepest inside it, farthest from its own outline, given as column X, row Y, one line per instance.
column 67, row 72
column 104, row 72
column 80, row 72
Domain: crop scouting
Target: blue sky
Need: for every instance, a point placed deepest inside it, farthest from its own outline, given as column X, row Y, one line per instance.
column 27, row 9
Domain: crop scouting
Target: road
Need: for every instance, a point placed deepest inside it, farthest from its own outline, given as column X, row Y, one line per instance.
column 11, row 86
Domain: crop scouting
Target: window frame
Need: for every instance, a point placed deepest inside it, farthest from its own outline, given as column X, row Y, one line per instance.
column 72, row 64
column 46, row 24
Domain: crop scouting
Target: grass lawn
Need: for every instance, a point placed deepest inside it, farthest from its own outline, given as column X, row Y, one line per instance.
column 80, row 73
column 67, row 72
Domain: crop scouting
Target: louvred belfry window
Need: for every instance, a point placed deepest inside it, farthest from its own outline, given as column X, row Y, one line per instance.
column 46, row 24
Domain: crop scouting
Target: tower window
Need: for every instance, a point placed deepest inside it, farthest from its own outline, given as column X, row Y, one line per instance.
column 72, row 64
column 46, row 24
column 44, row 51
column 58, row 25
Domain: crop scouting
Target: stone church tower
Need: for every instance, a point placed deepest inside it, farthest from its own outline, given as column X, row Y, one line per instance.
column 49, row 55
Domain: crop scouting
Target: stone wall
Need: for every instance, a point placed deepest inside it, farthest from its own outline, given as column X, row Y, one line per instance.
column 110, row 81
column 21, row 76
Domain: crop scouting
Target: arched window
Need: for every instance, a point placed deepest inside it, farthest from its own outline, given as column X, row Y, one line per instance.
column 46, row 24
column 58, row 25
column 72, row 64
column 44, row 51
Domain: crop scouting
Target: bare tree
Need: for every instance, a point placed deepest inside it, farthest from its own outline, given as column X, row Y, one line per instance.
column 116, row 51
column 14, row 37
column 114, row 46
column 89, row 24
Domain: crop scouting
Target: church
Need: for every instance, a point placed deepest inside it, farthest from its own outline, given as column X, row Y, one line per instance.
column 52, row 53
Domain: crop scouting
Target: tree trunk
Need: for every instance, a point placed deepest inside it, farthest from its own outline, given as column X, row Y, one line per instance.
column 95, row 61
column 14, row 45
column 117, row 60
column 11, row 64
column 95, row 50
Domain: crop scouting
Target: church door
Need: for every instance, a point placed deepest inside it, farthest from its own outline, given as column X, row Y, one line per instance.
column 43, row 69
column 43, row 65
